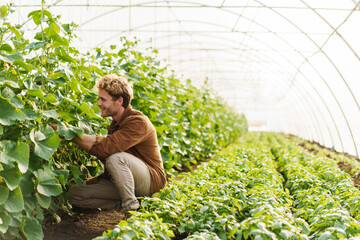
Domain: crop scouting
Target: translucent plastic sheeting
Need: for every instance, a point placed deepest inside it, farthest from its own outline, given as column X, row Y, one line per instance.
column 290, row 66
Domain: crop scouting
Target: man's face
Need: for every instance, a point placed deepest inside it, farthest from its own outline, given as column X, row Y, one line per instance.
column 109, row 107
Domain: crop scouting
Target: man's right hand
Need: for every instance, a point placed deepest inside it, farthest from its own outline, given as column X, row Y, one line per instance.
column 53, row 126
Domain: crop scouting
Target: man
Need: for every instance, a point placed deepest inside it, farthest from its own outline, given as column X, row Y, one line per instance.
column 130, row 153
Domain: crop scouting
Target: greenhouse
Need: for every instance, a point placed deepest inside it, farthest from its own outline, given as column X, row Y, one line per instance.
column 245, row 115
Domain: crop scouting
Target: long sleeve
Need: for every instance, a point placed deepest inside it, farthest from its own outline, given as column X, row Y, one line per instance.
column 133, row 131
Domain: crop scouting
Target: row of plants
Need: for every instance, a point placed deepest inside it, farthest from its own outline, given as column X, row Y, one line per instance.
column 316, row 199
column 338, row 182
column 324, row 195
column 263, row 187
column 45, row 79
column 348, row 163
column 237, row 195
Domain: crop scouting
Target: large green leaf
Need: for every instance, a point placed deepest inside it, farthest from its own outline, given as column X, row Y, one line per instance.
column 3, row 11
column 35, row 45
column 62, row 175
column 7, row 81
column 9, row 113
column 15, row 100
column 36, row 93
column 47, row 184
column 33, row 114
column 68, row 131
column 51, row 99
column 38, row 14
column 11, row 177
column 88, row 111
column 4, row 193
column 15, row 152
column 26, row 183
column 6, row 219
column 22, row 64
column 46, row 141
column 30, row 203
column 15, row 201
column 6, row 47
column 32, row 229
column 19, row 37
column 50, row 114
column 44, row 201
column 11, row 57
column 62, row 54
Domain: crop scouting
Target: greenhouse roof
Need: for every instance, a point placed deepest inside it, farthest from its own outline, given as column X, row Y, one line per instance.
column 290, row 66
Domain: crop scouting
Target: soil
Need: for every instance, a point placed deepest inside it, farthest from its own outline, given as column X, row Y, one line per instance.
column 85, row 224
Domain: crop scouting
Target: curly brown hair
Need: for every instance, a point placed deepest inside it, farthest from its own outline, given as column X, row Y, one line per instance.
column 116, row 86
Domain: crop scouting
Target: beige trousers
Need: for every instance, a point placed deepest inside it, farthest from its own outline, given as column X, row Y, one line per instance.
column 130, row 179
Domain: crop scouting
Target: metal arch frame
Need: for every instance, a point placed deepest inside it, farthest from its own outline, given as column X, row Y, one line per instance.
column 327, row 109
column 311, row 116
column 318, row 111
column 182, row 6
column 309, row 132
column 332, row 63
column 298, row 128
column 321, row 113
column 311, row 113
column 301, row 94
column 298, row 108
column 333, row 120
column 319, row 95
column 225, row 50
column 312, row 67
column 129, row 29
column 302, row 108
column 294, row 49
column 334, row 67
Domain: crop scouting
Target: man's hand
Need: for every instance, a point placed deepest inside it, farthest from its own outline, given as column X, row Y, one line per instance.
column 85, row 142
column 54, row 127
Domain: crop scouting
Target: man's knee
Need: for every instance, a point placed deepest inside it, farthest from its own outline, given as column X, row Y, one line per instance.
column 117, row 158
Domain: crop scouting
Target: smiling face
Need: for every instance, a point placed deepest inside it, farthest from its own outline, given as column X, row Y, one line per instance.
column 109, row 107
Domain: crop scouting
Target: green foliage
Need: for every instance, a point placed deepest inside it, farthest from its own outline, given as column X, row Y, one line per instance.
column 237, row 195
column 46, row 80
column 321, row 191
column 264, row 187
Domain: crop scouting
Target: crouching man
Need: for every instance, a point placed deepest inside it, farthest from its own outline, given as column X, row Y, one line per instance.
column 130, row 153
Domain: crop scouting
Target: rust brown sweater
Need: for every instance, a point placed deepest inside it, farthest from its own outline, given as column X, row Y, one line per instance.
column 134, row 134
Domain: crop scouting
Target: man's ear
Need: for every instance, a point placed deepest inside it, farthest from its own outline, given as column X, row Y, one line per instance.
column 120, row 100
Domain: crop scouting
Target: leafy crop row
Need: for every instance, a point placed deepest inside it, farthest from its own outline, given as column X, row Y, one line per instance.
column 350, row 164
column 237, row 195
column 46, row 80
column 326, row 196
column 264, row 187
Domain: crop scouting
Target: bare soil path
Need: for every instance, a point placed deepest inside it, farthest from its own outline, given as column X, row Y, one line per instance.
column 86, row 224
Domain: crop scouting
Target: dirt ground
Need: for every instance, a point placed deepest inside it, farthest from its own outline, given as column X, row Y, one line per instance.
column 86, row 224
